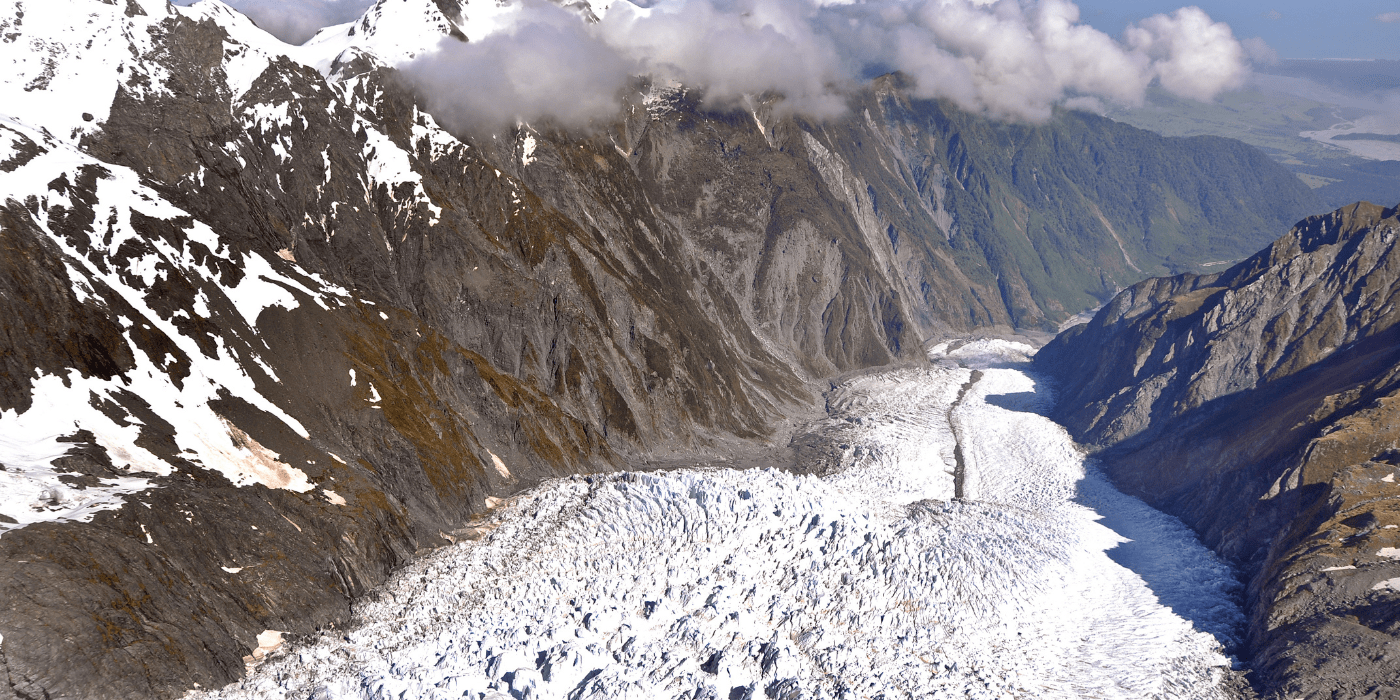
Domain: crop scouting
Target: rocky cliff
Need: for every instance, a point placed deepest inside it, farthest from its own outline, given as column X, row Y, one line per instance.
column 268, row 329
column 1262, row 406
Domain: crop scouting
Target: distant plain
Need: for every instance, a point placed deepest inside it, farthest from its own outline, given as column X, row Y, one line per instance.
column 1335, row 124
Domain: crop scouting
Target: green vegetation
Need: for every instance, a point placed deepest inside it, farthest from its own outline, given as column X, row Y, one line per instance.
column 1354, row 136
column 1054, row 218
column 1272, row 121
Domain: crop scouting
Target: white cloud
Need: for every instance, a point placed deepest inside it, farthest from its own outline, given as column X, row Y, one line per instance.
column 1259, row 52
column 1193, row 56
column 550, row 65
column 1388, row 17
column 1008, row 58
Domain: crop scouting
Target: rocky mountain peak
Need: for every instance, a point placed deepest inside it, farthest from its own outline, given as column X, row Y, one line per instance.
column 1319, row 232
column 1356, row 220
column 1326, row 285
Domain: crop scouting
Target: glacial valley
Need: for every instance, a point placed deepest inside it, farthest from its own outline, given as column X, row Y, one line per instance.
column 316, row 383
column 874, row 580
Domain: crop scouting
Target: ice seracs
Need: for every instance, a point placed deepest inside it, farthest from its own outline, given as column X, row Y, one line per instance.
column 724, row 583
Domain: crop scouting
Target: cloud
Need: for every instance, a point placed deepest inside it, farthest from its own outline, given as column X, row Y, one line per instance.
column 1009, row 59
column 1259, row 52
column 1273, row 15
column 732, row 49
column 1388, row 17
column 1193, row 56
column 550, row 65
column 295, row 21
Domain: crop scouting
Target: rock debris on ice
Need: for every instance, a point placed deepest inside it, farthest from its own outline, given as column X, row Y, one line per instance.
column 872, row 582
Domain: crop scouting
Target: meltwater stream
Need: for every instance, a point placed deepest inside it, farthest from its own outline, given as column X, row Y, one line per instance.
column 1040, row 581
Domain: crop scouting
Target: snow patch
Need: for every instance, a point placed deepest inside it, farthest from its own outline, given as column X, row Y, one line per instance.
column 268, row 642
column 500, row 466
column 390, row 165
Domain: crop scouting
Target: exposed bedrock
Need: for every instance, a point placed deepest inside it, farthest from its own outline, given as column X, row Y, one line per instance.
column 268, row 331
column 1262, row 406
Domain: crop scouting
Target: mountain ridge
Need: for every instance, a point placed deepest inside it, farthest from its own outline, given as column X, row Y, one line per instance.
column 1258, row 405
column 284, row 330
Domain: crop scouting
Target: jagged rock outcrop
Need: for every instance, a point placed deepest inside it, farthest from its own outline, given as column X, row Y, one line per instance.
column 1262, row 406
column 269, row 330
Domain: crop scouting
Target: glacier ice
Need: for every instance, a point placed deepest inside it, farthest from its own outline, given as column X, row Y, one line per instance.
column 873, row 581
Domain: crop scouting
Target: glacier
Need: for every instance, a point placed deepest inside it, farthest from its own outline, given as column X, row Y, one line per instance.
column 960, row 547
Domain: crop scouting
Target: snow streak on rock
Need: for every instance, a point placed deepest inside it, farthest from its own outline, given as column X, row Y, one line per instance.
column 59, row 90
column 128, row 275
column 715, row 584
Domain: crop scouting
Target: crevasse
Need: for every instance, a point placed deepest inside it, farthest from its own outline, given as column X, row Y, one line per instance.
column 1044, row 582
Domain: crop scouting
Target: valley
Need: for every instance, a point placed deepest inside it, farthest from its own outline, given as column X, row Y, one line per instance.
column 416, row 361
column 869, row 580
column 1270, row 390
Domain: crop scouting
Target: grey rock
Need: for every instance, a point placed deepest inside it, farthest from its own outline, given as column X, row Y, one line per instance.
column 668, row 288
column 1262, row 406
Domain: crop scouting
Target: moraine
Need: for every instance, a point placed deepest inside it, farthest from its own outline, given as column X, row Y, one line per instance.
column 1040, row 581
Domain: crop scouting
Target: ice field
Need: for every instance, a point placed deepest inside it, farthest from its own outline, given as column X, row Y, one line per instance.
column 960, row 551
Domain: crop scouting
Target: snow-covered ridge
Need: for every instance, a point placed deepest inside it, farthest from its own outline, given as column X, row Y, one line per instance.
column 393, row 32
column 123, row 264
column 713, row 584
column 65, row 60
column 69, row 61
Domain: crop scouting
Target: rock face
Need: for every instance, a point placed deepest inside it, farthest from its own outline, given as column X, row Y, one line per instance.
column 1262, row 406
column 268, row 330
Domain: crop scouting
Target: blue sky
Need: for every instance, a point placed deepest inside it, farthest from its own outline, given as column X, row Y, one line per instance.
column 1294, row 28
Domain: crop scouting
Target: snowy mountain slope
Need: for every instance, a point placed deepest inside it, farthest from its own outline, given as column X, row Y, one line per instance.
column 65, row 61
column 270, row 330
column 183, row 372
column 158, row 293
column 727, row 583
